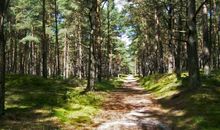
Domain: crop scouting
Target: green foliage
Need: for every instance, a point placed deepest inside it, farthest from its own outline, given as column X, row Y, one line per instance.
column 79, row 108
column 200, row 108
column 30, row 39
column 110, row 85
column 59, row 98
column 35, row 91
column 162, row 85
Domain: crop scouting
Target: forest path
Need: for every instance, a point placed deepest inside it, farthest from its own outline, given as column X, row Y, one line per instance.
column 130, row 108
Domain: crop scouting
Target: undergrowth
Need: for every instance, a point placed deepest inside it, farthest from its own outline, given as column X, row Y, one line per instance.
column 189, row 109
column 32, row 101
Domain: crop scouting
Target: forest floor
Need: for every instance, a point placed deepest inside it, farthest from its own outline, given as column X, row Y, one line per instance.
column 130, row 108
column 188, row 108
column 155, row 102
column 34, row 103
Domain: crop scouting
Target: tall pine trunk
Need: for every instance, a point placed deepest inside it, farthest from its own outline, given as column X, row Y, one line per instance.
column 57, row 40
column 159, row 44
column 44, row 41
column 3, row 7
column 2, row 63
column 193, row 66
column 93, row 42
column 206, row 44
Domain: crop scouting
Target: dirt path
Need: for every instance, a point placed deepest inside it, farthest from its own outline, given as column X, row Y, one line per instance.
column 130, row 108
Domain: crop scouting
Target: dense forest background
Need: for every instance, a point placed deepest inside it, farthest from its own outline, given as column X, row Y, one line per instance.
column 64, row 39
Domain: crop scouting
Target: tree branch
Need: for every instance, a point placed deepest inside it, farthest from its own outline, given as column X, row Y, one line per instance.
column 200, row 7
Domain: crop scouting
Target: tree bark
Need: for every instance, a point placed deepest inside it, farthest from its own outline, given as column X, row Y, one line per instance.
column 44, row 41
column 57, row 40
column 109, row 50
column 193, row 66
column 93, row 38
column 178, row 49
column 159, row 43
column 3, row 7
column 206, row 44
column 171, row 59
column 80, row 50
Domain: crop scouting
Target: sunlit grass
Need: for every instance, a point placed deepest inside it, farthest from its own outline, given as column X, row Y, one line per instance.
column 33, row 100
column 110, row 85
column 200, row 107
column 162, row 86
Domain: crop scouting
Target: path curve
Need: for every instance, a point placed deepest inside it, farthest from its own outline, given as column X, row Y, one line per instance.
column 130, row 108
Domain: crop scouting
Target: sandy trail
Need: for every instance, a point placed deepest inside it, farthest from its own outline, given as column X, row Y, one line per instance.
column 130, row 108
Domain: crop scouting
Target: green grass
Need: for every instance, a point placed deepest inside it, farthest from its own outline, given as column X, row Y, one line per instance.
column 190, row 109
column 32, row 101
column 110, row 85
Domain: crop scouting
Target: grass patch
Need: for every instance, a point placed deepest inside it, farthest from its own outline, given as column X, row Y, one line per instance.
column 200, row 107
column 32, row 101
column 110, row 85
column 79, row 108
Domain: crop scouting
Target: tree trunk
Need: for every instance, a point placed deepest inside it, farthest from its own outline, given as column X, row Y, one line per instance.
column 217, row 5
column 98, row 40
column 171, row 61
column 2, row 65
column 210, row 35
column 44, row 41
column 57, row 40
column 109, row 50
column 193, row 66
column 3, row 7
column 79, row 58
column 159, row 43
column 93, row 38
column 66, row 58
column 178, row 50
column 15, row 55
column 206, row 44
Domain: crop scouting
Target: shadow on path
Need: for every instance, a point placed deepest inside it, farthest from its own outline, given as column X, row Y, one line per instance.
column 130, row 108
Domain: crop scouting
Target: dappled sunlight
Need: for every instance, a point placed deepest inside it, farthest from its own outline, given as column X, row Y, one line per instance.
column 110, row 64
column 37, row 103
column 133, row 108
column 184, row 105
column 26, row 118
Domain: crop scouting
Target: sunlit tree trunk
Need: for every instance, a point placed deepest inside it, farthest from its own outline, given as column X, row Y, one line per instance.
column 206, row 44
column 66, row 58
column 159, row 43
column 80, row 51
column 171, row 62
column 93, row 37
column 57, row 39
column 98, row 40
column 109, row 49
